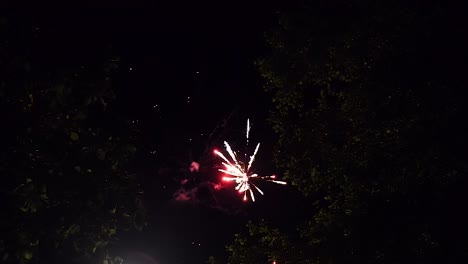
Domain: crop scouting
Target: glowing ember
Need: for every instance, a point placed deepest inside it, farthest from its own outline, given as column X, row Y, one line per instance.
column 194, row 166
column 240, row 172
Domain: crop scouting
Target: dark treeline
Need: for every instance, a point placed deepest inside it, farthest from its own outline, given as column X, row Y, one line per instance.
column 370, row 115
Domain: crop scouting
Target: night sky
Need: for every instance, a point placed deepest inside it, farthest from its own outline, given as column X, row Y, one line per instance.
column 187, row 82
column 112, row 110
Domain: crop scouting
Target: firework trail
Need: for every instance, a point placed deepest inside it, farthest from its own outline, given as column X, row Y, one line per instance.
column 240, row 172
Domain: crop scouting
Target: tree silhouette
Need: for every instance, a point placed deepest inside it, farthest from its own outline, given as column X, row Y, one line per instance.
column 66, row 183
column 369, row 116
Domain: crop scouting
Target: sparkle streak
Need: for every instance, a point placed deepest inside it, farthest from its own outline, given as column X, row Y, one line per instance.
column 238, row 172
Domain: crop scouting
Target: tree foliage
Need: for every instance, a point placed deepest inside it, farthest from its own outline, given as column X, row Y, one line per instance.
column 369, row 116
column 270, row 244
column 66, row 185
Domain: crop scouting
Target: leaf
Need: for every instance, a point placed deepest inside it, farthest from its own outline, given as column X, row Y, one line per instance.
column 73, row 229
column 112, row 231
column 27, row 254
column 125, row 215
column 44, row 197
column 115, row 166
column 99, row 244
column 74, row 136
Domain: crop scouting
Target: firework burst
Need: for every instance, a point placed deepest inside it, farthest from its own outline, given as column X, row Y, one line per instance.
column 239, row 171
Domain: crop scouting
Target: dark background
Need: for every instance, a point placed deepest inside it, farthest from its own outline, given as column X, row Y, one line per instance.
column 370, row 120
column 188, row 83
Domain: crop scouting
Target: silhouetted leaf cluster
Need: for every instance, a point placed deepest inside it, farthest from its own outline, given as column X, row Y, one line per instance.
column 66, row 186
column 369, row 113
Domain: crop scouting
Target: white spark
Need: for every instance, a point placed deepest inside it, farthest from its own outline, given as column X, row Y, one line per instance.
column 241, row 174
column 252, row 158
column 248, row 129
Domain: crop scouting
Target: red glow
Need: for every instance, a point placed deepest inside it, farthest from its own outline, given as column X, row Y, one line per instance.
column 215, row 151
column 274, row 262
column 194, row 166
column 273, row 177
column 245, row 198
column 217, row 186
column 181, row 196
column 226, row 178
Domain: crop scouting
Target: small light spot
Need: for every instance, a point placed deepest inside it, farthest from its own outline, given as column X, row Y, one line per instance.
column 131, row 69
